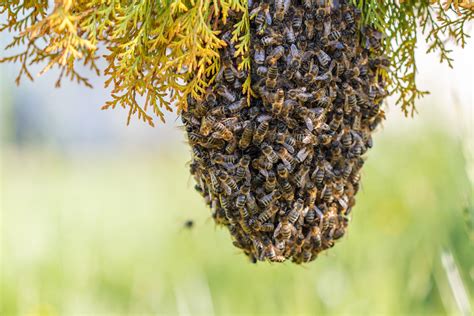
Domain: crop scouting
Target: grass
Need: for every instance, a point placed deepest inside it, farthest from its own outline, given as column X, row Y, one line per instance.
column 98, row 235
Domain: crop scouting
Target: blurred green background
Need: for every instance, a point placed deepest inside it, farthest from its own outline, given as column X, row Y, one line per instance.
column 93, row 217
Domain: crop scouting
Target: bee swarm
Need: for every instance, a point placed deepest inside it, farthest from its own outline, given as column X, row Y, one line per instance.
column 282, row 172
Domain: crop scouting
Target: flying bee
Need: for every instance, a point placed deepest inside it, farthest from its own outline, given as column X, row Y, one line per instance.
column 270, row 182
column 290, row 34
column 225, row 93
column 281, row 8
column 279, row 99
column 275, row 55
column 260, row 132
column 246, row 137
column 272, row 75
column 270, row 153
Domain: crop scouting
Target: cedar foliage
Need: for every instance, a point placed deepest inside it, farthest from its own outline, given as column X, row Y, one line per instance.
column 168, row 50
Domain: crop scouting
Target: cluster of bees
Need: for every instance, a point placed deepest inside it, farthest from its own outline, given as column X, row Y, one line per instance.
column 282, row 172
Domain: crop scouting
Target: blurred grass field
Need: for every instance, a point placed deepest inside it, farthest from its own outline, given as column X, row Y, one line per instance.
column 102, row 234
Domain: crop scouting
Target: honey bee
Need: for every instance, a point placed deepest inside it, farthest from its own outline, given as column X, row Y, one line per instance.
column 272, row 75
column 285, row 229
column 287, row 141
column 236, row 106
column 267, row 214
column 282, row 171
column 228, row 181
column 223, row 132
column 260, row 132
column 323, row 58
column 225, row 93
column 327, row 193
column 288, row 192
column 304, row 153
column 272, row 39
column 300, row 177
column 277, row 104
column 287, row 158
column 290, row 34
column 336, row 120
column 295, row 57
column 242, row 170
column 269, row 198
column 270, row 182
column 270, row 153
column 246, row 137
column 270, row 253
column 275, row 55
column 281, row 8
column 201, row 109
column 259, row 55
column 297, row 21
column 310, row 28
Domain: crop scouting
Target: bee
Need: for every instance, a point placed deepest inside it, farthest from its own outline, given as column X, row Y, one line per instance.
column 272, row 39
column 296, row 211
column 260, row 132
column 270, row 182
column 336, row 120
column 270, row 253
column 267, row 214
column 326, row 193
column 348, row 17
column 281, row 8
column 201, row 109
column 297, row 21
column 282, row 171
column 290, row 34
column 236, row 106
column 270, row 153
column 225, row 93
column 242, row 170
column 277, row 104
column 288, row 192
column 269, row 198
column 287, row 141
column 323, row 58
column 284, row 229
column 334, row 35
column 295, row 57
column 314, row 236
column 350, row 98
column 228, row 181
column 229, row 71
column 259, row 55
column 223, row 132
column 275, row 55
column 300, row 177
column 310, row 28
column 246, row 136
column 188, row 224
column 286, row 157
column 312, row 195
column 272, row 75
column 304, row 153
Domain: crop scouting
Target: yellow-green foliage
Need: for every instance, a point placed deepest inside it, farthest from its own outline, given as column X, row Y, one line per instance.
column 167, row 50
column 162, row 50
column 439, row 21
